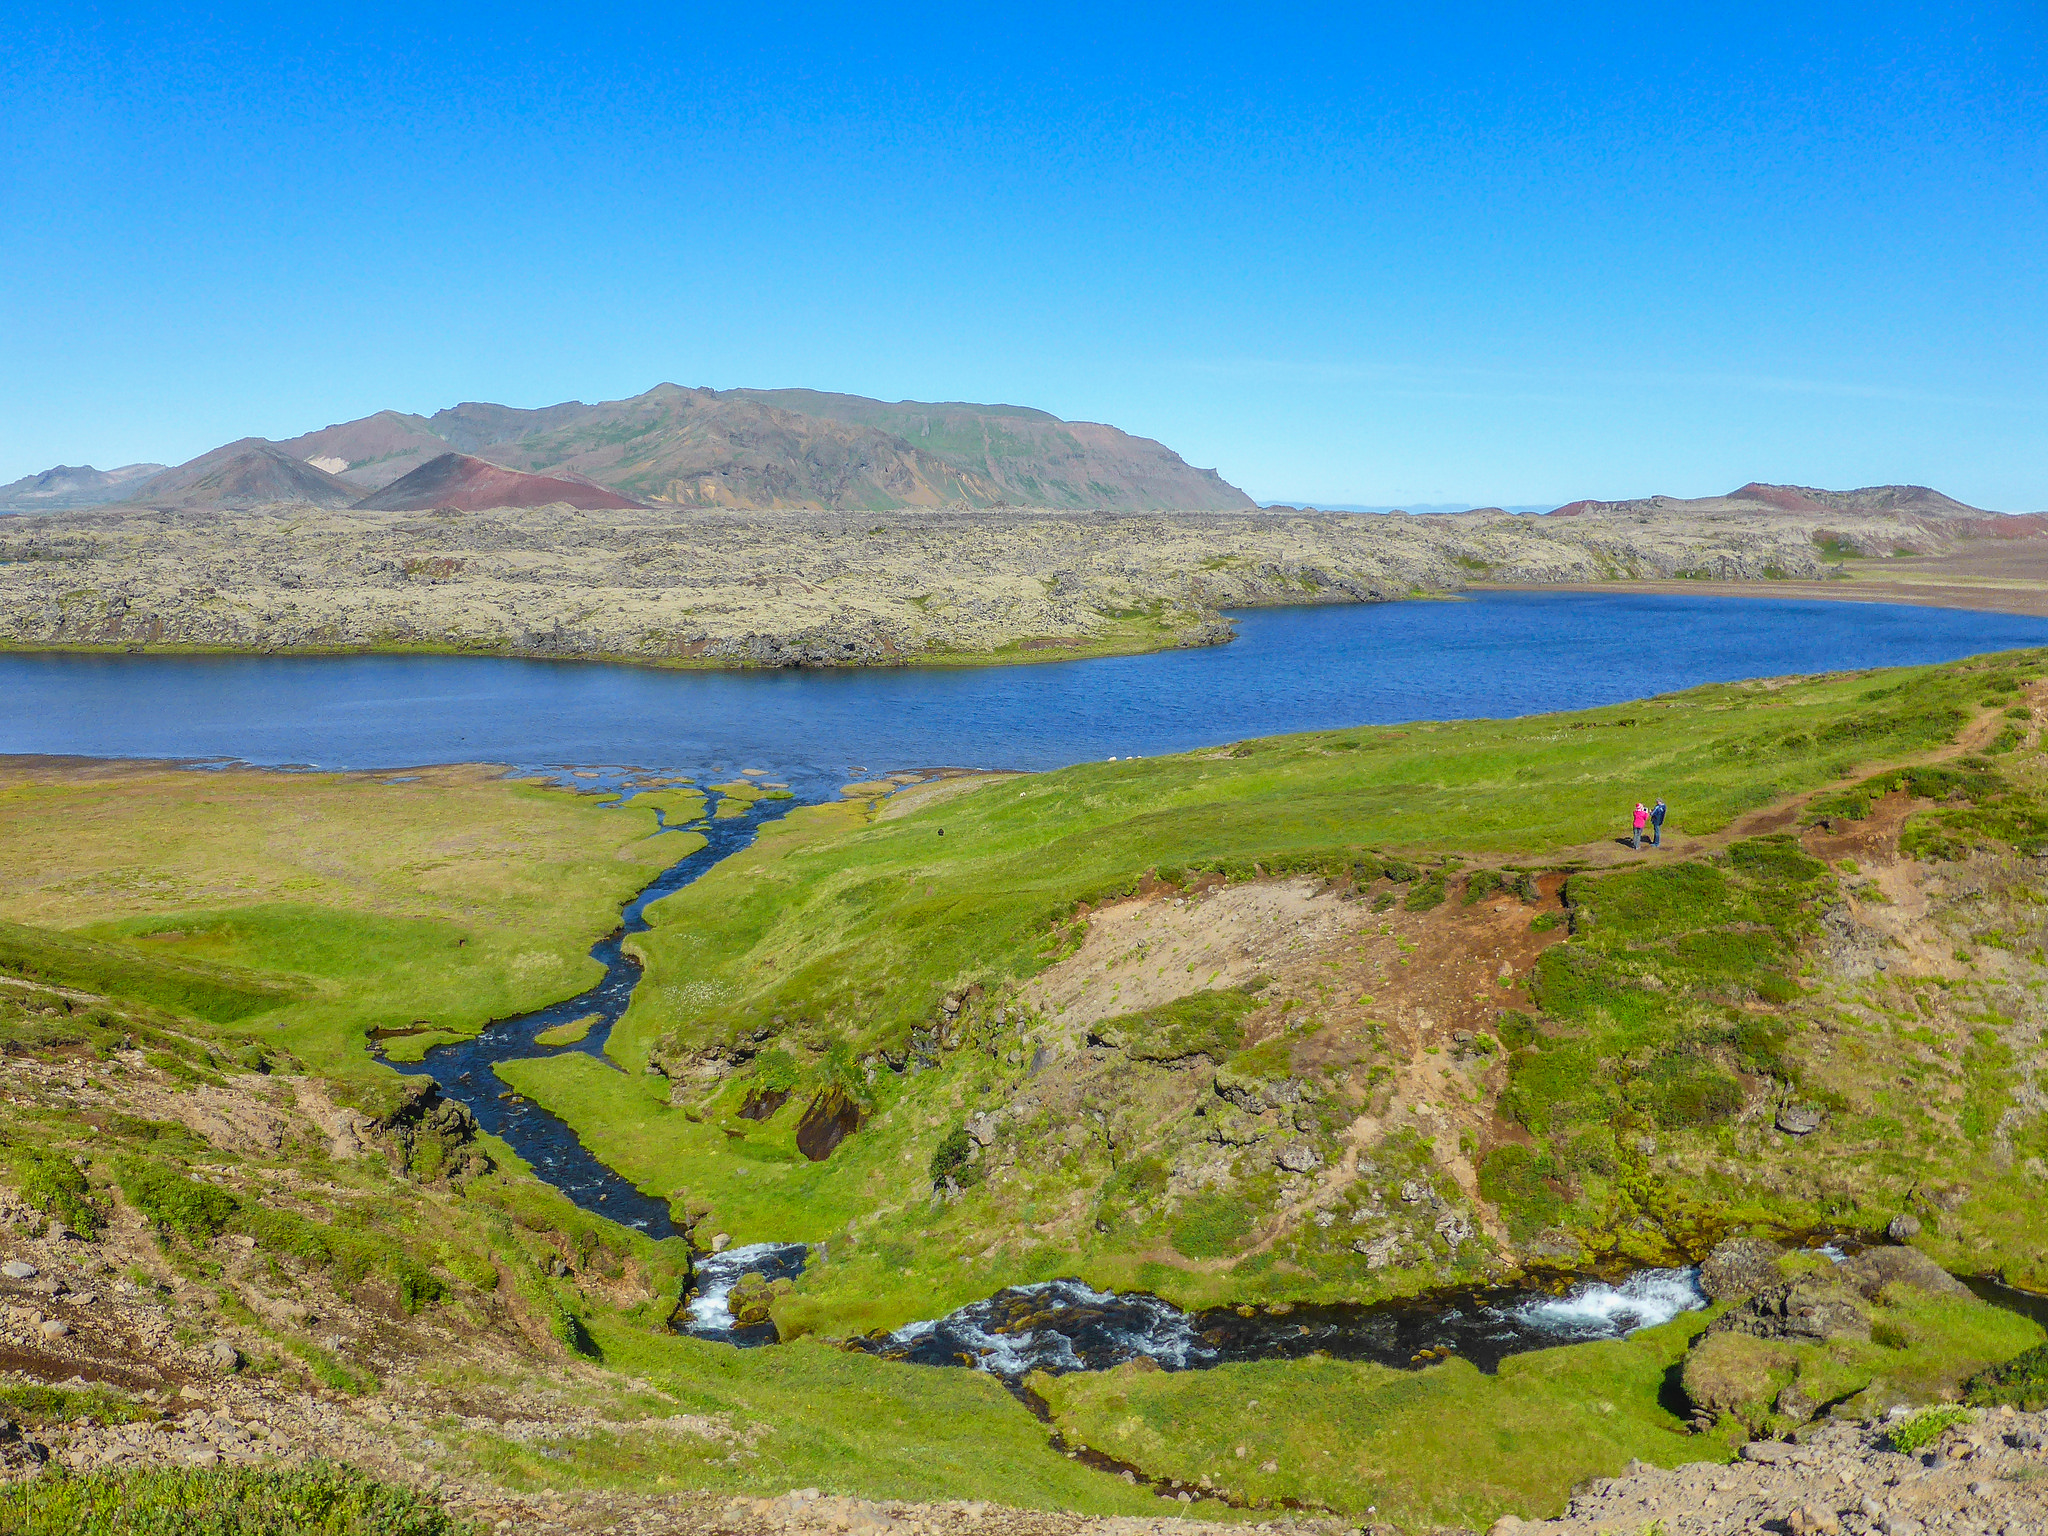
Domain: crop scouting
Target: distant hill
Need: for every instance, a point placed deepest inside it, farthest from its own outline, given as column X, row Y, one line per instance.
column 68, row 486
column 780, row 448
column 248, row 473
column 372, row 452
column 1036, row 459
column 1805, row 500
column 466, row 484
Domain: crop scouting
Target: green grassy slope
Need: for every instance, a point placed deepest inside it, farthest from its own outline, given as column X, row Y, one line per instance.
column 306, row 910
column 1679, row 999
column 854, row 930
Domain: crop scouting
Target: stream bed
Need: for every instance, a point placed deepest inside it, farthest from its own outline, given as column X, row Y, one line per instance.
column 465, row 1069
column 1059, row 1326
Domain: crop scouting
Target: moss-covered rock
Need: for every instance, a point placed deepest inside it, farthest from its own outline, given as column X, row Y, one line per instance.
column 1736, row 1375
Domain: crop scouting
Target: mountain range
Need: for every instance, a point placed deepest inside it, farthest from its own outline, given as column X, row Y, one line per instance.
column 73, row 485
column 785, row 448
column 682, row 447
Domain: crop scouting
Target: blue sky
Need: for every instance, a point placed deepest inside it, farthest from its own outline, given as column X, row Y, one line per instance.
column 1354, row 253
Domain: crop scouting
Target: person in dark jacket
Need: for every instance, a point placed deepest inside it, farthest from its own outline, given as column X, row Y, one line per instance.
column 1657, row 823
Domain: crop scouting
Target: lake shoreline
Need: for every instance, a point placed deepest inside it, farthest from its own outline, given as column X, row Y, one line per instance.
column 2028, row 600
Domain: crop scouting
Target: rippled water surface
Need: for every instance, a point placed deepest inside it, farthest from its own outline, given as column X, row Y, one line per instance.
column 1496, row 654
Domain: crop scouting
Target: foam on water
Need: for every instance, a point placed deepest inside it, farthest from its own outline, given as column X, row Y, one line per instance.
column 1054, row 1325
column 715, row 1276
column 1597, row 1310
column 1063, row 1325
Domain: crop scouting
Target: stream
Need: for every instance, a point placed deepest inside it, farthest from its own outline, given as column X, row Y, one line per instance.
column 1060, row 1326
column 1056, row 1326
column 465, row 1068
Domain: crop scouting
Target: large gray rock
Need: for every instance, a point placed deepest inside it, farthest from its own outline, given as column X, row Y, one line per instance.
column 1739, row 1267
column 1875, row 1269
column 1903, row 1228
column 1298, row 1157
column 1800, row 1119
column 1804, row 1312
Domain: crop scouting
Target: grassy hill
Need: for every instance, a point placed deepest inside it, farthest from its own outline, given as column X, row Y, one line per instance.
column 1344, row 1015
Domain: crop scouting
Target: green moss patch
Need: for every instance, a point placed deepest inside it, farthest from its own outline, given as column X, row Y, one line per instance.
column 1206, row 1023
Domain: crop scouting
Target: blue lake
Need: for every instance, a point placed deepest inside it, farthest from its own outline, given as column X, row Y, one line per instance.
column 1292, row 669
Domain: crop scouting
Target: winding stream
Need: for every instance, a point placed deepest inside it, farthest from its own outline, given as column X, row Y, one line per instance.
column 465, row 1069
column 1056, row 1326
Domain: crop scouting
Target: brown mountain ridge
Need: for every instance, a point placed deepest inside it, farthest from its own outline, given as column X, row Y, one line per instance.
column 780, row 449
column 458, row 482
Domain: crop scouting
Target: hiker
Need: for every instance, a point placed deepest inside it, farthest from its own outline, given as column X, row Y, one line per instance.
column 1642, row 821
column 1657, row 814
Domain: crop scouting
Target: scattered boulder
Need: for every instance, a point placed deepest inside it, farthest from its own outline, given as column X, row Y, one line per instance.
column 1379, row 1251
column 1804, row 1312
column 1903, row 1228
column 1795, row 1404
column 1739, row 1267
column 750, row 1300
column 225, row 1356
column 1731, row 1373
column 1298, row 1156
column 1800, row 1119
column 1875, row 1269
column 17, row 1269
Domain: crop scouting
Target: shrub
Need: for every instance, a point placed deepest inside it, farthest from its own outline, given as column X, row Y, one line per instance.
column 1211, row 1227
column 320, row 1499
column 330, row 1372
column 951, row 1159
column 61, row 1405
column 2021, row 1382
column 1515, row 1030
column 415, row 1283
column 170, row 1202
column 470, row 1267
column 1208, row 1023
column 776, row 1070
column 1696, row 1096
column 1426, row 894
column 1924, row 1428
column 53, row 1184
column 1517, row 1180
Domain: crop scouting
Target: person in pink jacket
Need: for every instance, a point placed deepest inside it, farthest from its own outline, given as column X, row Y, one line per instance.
column 1642, row 821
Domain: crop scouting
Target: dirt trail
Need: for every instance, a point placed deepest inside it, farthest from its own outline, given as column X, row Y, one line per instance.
column 1779, row 816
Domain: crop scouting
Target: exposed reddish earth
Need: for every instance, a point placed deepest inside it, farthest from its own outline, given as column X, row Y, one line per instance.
column 457, row 482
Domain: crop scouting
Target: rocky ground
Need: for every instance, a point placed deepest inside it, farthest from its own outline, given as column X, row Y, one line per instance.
column 1988, row 1474
column 828, row 588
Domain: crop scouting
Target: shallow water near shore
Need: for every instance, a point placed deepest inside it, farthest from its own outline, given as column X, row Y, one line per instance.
column 1493, row 654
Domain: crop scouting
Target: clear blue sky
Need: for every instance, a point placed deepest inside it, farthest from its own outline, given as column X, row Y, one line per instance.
column 1357, row 253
